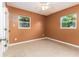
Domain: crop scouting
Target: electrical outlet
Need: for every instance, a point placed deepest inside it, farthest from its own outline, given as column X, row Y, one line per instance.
column 42, row 34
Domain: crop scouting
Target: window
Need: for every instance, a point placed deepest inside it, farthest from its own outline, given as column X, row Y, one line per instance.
column 68, row 22
column 24, row 22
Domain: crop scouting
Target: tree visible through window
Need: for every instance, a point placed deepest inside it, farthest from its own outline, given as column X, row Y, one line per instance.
column 24, row 22
column 68, row 21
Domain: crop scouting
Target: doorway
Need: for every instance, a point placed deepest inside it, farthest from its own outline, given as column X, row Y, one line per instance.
column 4, row 26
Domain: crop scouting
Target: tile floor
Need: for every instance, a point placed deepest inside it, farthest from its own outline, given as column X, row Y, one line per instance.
column 42, row 48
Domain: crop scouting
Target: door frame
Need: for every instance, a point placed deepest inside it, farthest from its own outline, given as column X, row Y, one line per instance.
column 6, row 12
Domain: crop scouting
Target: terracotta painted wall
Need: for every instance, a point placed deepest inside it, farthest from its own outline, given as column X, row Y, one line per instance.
column 37, row 25
column 42, row 26
column 53, row 26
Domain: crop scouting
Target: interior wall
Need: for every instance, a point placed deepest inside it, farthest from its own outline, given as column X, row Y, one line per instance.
column 42, row 26
column 19, row 35
column 53, row 26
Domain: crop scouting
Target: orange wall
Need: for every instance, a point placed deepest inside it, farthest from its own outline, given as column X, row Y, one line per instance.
column 37, row 25
column 48, row 25
column 53, row 26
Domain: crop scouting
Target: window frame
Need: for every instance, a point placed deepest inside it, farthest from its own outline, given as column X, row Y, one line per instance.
column 67, row 27
column 19, row 27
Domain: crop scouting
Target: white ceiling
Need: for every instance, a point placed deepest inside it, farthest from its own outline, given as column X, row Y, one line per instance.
column 35, row 6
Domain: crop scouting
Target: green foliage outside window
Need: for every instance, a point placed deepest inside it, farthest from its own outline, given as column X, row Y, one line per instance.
column 24, row 22
column 69, row 20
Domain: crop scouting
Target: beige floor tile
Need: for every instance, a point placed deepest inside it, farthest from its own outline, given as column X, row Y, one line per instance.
column 42, row 48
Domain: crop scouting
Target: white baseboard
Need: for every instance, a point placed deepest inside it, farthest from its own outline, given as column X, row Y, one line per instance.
column 26, row 41
column 62, row 42
column 45, row 38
